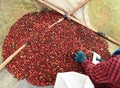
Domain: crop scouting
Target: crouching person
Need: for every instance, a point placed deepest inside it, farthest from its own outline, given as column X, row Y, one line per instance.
column 105, row 74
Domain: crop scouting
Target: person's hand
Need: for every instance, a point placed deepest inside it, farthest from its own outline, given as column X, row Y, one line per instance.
column 80, row 57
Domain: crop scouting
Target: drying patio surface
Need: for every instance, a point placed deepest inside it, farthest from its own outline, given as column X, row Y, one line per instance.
column 104, row 15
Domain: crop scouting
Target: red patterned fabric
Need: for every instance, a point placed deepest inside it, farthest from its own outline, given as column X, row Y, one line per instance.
column 105, row 74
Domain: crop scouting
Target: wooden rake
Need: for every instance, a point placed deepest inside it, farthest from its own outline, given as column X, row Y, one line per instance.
column 69, row 16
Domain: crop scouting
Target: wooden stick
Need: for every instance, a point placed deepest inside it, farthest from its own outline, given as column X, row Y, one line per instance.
column 51, row 6
column 63, row 13
column 112, row 40
column 12, row 56
column 79, row 22
column 79, row 6
column 56, row 22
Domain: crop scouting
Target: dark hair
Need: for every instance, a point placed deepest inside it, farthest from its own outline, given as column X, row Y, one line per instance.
column 117, row 52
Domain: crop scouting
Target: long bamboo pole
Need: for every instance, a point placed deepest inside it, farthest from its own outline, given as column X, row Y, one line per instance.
column 79, row 22
column 12, row 56
column 79, row 6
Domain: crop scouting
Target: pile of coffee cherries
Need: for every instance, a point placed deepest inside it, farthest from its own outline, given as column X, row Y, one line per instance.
column 50, row 50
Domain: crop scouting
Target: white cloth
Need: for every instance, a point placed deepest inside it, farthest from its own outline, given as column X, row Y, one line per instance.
column 95, row 57
column 73, row 80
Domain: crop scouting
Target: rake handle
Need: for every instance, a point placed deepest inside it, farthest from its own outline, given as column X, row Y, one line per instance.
column 12, row 56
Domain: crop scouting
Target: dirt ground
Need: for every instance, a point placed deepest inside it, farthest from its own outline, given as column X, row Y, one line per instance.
column 103, row 14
